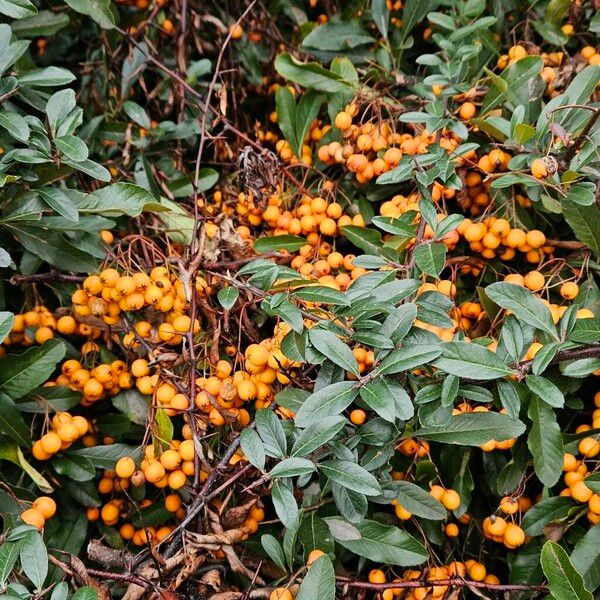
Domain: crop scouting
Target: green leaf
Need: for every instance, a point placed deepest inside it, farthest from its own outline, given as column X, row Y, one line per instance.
column 326, row 402
column 414, row 12
column 471, row 361
column 15, row 124
column 384, row 544
column 351, row 476
column 9, row 552
column 137, row 114
column 523, row 304
column 321, row 293
column 54, row 248
column 545, row 390
column 93, row 169
column 319, row 581
column 77, row 468
column 285, row 505
column 585, row 223
column 545, row 442
column 295, row 120
column 397, row 226
column 105, row 457
column 556, row 11
column 133, row 404
column 285, row 106
column 310, row 75
column 275, row 243
column 253, row 448
column 381, row 16
column 314, row 533
column 120, row 199
column 12, row 423
column 368, row 240
column 10, row 451
column 34, row 558
column 7, row 320
column 162, row 427
column 334, row 349
column 586, row 331
column 228, row 297
column 473, row 429
column 292, row 467
column 85, row 593
column 317, row 435
column 430, row 258
column 337, row 36
column 22, row 373
column 380, row 399
column 5, row 259
column 515, row 83
column 419, row 502
column 408, row 357
column 72, row 147
column 544, row 357
column 564, row 582
column 58, row 201
column 48, row 77
column 45, row 23
column 544, row 512
column 585, row 558
column 102, row 11
column 17, row 9
column 271, row 431
column 273, row 548
column 580, row 368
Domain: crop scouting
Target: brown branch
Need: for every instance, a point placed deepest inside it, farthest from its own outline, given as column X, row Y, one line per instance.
column 454, row 582
column 572, row 354
column 49, row 277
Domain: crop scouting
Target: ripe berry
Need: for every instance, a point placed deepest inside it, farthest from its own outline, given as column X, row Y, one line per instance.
column 538, row 169
column 313, row 556
column 46, row 506
column 569, row 290
column 450, row 499
column 33, row 516
column 125, row 467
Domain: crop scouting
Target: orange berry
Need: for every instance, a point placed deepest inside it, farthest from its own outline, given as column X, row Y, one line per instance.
column 467, row 111
column 535, row 238
column 377, row 576
column 343, row 121
column 513, row 536
column 569, row 290
column 508, row 505
column 154, row 472
column 538, row 169
column 176, row 479
column 186, row 450
column 358, row 416
column 534, row 281
column 34, row 517
column 581, row 492
column 46, row 506
column 313, row 556
column 170, row 459
column 173, row 502
column 450, row 499
column 50, row 442
column 125, row 467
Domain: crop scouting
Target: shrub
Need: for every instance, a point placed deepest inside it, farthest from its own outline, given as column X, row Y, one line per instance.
column 299, row 302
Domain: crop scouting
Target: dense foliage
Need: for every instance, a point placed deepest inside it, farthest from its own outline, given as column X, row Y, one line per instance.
column 299, row 299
